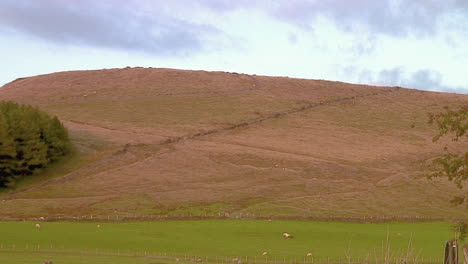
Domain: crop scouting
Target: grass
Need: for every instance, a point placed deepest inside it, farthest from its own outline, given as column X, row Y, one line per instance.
column 86, row 149
column 73, row 242
column 180, row 112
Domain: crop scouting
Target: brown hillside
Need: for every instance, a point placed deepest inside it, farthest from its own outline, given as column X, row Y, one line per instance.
column 163, row 141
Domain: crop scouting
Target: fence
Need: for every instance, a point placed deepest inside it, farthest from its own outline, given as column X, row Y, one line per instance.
column 123, row 217
column 162, row 257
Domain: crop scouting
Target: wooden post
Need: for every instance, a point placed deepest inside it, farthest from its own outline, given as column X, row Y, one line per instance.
column 465, row 253
column 451, row 252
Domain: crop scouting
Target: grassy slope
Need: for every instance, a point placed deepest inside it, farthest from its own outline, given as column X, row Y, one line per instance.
column 361, row 156
column 233, row 238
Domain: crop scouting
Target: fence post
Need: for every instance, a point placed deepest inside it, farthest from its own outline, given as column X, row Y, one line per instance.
column 451, row 252
column 465, row 253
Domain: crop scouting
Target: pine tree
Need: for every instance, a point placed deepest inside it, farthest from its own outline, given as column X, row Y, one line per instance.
column 7, row 153
column 29, row 141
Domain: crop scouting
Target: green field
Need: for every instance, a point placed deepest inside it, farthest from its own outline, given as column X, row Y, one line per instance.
column 221, row 240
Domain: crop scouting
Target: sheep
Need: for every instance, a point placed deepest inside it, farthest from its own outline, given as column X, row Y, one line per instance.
column 309, row 254
column 287, row 235
column 41, row 218
column 237, row 260
column 98, row 226
column 264, row 253
column 38, row 226
column 47, row 262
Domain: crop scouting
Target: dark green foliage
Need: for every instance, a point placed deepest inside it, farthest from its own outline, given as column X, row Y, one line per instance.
column 29, row 141
column 453, row 166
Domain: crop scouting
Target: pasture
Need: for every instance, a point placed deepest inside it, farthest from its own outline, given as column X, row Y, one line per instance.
column 218, row 241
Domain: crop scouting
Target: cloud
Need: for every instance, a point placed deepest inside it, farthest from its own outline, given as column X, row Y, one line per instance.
column 108, row 24
column 390, row 17
column 424, row 79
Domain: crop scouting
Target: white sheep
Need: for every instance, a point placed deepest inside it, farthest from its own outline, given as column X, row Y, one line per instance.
column 264, row 253
column 287, row 235
column 38, row 226
column 309, row 254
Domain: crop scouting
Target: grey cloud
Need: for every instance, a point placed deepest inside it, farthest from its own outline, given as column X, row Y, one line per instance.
column 227, row 5
column 108, row 24
column 391, row 17
column 292, row 38
column 423, row 79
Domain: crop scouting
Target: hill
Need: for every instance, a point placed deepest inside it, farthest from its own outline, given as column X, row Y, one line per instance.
column 163, row 141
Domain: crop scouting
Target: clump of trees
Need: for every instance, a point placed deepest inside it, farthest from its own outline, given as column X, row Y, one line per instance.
column 29, row 141
column 453, row 166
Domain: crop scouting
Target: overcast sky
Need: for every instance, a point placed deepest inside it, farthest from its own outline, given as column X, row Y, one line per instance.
column 419, row 44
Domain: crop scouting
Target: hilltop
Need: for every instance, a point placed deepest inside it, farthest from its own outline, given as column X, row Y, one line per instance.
column 153, row 141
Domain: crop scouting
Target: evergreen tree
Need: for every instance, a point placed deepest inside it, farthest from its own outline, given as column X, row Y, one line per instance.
column 29, row 141
column 7, row 153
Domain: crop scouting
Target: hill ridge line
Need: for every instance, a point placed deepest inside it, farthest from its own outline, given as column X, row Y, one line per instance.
column 127, row 148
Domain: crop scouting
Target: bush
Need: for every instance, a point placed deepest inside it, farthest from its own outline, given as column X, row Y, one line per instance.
column 29, row 140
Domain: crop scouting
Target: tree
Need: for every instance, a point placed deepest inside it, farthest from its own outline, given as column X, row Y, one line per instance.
column 29, row 141
column 453, row 166
column 7, row 152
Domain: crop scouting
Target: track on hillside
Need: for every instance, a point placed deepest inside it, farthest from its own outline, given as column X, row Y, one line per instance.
column 131, row 154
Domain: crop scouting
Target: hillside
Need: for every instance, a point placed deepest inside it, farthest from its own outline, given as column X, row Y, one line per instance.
column 163, row 141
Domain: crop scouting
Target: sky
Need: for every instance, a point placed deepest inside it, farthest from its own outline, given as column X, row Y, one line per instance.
column 420, row 44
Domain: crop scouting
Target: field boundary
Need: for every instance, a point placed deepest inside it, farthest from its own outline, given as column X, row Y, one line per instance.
column 191, row 258
column 226, row 216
